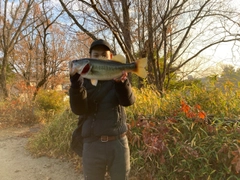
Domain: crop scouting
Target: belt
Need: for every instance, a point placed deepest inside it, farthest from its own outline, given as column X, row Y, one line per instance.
column 111, row 138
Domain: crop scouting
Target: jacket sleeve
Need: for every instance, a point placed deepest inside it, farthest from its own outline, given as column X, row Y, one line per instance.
column 124, row 93
column 78, row 100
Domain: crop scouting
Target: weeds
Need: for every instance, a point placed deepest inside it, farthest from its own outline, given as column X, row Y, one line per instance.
column 54, row 139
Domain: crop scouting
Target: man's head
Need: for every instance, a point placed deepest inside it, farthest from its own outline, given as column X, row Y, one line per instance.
column 100, row 48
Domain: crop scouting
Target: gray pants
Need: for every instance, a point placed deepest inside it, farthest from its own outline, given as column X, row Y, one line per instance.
column 112, row 156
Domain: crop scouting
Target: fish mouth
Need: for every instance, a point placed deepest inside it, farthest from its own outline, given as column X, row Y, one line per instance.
column 86, row 69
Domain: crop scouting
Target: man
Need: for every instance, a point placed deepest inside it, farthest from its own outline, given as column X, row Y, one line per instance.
column 105, row 147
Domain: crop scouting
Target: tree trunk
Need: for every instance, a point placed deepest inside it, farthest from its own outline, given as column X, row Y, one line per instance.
column 3, row 76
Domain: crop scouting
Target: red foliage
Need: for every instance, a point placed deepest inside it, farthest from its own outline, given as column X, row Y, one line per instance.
column 153, row 135
column 154, row 131
column 193, row 112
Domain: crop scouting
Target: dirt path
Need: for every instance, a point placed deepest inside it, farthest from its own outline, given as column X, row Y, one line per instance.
column 17, row 163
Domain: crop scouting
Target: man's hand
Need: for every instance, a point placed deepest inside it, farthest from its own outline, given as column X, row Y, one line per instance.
column 123, row 77
column 76, row 81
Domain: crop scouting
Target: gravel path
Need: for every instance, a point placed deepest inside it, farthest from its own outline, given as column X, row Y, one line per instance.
column 17, row 163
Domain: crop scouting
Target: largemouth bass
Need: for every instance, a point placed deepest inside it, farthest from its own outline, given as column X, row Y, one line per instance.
column 98, row 69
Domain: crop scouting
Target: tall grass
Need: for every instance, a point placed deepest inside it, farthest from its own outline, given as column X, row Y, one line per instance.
column 54, row 139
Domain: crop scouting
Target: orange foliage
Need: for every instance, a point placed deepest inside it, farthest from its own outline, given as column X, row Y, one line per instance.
column 193, row 112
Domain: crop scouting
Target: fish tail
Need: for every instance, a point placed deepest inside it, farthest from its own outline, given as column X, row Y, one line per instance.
column 140, row 67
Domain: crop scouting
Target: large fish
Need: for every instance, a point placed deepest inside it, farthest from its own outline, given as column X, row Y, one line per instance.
column 100, row 69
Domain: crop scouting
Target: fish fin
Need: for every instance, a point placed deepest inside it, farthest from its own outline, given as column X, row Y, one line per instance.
column 94, row 82
column 119, row 58
column 140, row 70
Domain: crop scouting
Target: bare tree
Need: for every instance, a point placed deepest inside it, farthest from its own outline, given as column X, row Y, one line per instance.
column 171, row 33
column 41, row 57
column 13, row 22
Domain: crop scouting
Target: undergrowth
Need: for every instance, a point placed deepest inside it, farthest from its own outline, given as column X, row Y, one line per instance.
column 54, row 139
column 15, row 112
column 192, row 133
column 22, row 110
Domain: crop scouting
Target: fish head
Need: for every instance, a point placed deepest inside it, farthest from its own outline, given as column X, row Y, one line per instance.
column 81, row 66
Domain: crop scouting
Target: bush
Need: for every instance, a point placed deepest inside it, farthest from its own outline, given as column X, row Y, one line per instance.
column 17, row 112
column 23, row 111
column 50, row 103
column 51, row 100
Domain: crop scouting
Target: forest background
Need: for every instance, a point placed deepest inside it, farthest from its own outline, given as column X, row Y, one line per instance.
column 184, row 124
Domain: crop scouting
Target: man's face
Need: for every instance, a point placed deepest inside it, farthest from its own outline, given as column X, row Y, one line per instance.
column 101, row 51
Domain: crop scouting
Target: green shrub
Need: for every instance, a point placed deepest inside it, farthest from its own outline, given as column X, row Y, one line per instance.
column 49, row 103
column 184, row 148
column 51, row 100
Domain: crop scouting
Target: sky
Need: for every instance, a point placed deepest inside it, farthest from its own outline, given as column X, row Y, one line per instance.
column 224, row 53
column 227, row 53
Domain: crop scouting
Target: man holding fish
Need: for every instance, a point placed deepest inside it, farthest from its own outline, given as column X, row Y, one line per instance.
column 99, row 91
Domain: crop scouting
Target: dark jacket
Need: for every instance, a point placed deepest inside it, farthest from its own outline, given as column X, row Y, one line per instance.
column 102, row 106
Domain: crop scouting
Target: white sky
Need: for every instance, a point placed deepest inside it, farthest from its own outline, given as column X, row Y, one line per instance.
column 226, row 53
